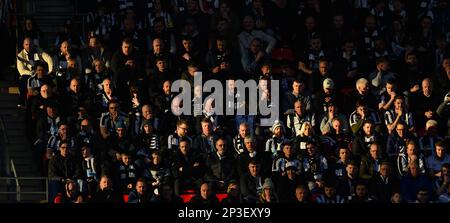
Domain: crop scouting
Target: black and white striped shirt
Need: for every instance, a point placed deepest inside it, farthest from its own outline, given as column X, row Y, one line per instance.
column 390, row 116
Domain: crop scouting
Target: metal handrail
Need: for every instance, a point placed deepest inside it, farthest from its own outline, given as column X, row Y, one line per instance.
column 13, row 168
column 3, row 130
column 5, row 154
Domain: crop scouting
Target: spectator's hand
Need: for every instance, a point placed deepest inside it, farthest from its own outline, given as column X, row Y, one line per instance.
column 393, row 94
column 415, row 88
column 400, row 113
column 118, row 156
column 180, row 169
column 135, row 101
column 429, row 114
column 259, row 56
column 216, row 69
column 319, row 183
column 196, row 164
column 186, row 56
column 129, row 63
column 50, row 154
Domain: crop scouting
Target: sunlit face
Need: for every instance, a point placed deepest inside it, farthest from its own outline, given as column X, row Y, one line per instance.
column 127, row 48
column 182, row 130
column 106, row 84
column 221, row 147
column 140, row 187
column 243, row 130
column 311, row 149
column 85, row 152
column 410, row 148
column 206, row 128
column 44, row 91
column 157, row 46
column 297, row 87
column 113, row 107
column 187, row 45
column 249, row 145
column 98, row 65
column 374, row 151
column 400, row 130
column 300, row 194
column 253, row 169
column 385, row 170
column 308, row 130
column 192, row 70
column 184, row 147
column 336, row 125
column 93, row 43
column 166, row 87
column 440, row 151
column 64, row 149
column 27, row 44
column 125, row 159
column 298, row 107
column 104, row 183
column 63, row 130
column 156, row 159
column 426, row 87
column 40, row 71
column 363, row 88
column 390, row 88
column 368, row 129
column 351, row 170
column 74, row 86
column 204, row 191
column 343, row 154
column 399, row 103
column 64, row 48
column 396, row 198
column 147, row 112
column 323, row 67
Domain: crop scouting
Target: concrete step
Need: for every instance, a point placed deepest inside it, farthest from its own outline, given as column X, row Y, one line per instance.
column 11, row 111
column 16, row 132
column 13, row 139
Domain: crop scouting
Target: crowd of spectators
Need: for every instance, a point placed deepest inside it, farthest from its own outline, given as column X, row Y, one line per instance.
column 364, row 101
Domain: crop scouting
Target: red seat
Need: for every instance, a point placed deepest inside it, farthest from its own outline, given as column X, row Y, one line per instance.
column 57, row 199
column 282, row 54
column 125, row 198
column 187, row 197
column 221, row 196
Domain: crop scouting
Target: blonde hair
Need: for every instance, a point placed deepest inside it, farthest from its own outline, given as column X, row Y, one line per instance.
column 303, row 128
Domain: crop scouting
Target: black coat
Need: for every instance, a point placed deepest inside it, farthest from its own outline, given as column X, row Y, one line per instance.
column 64, row 167
column 220, row 170
column 382, row 192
